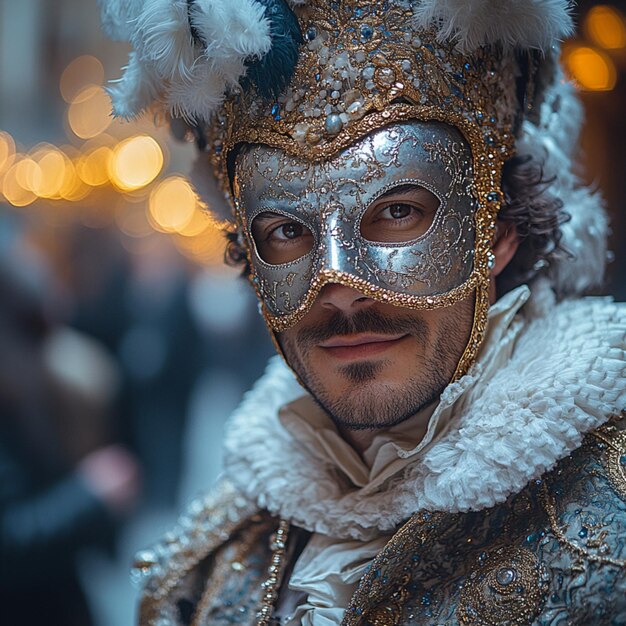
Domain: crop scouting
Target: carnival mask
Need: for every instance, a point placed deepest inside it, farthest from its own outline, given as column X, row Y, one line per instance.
column 391, row 216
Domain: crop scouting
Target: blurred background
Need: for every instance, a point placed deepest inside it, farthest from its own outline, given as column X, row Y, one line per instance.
column 124, row 340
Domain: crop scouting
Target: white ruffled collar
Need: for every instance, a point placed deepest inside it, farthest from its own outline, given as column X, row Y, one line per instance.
column 566, row 375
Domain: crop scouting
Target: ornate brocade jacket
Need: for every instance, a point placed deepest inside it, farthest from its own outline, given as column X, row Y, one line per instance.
column 553, row 554
column 521, row 502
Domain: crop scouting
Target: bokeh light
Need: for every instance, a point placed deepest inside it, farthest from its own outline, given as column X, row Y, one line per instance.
column 52, row 166
column 135, row 162
column 590, row 68
column 82, row 71
column 14, row 185
column 93, row 167
column 172, row 204
column 605, row 26
column 89, row 114
column 7, row 150
column 28, row 174
column 206, row 249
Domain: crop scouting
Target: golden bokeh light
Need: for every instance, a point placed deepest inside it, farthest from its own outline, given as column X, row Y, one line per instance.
column 81, row 72
column 52, row 165
column 205, row 249
column 89, row 114
column 93, row 167
column 172, row 204
column 198, row 224
column 135, row 162
column 13, row 188
column 28, row 174
column 590, row 68
column 7, row 150
column 606, row 27
column 73, row 189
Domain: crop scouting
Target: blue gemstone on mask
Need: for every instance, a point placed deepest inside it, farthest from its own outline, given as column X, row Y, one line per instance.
column 366, row 32
column 333, row 124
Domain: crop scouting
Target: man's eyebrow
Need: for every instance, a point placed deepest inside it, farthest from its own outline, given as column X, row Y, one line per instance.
column 400, row 189
column 267, row 215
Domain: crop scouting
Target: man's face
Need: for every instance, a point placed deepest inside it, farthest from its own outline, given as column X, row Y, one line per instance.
column 387, row 224
column 372, row 365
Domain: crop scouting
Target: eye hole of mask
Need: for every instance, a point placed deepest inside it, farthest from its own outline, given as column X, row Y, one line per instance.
column 401, row 214
column 280, row 239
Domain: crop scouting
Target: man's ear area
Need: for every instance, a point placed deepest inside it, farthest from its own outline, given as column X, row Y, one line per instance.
column 505, row 246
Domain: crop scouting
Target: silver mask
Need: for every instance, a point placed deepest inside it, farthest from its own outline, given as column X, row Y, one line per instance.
column 330, row 200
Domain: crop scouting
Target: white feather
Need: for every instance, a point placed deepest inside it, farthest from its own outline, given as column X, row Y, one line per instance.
column 535, row 24
column 197, row 96
column 136, row 90
column 234, row 28
column 163, row 37
column 169, row 67
column 118, row 17
column 202, row 177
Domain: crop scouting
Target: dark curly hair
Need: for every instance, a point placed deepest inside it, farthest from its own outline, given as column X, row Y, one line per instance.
column 529, row 206
column 537, row 214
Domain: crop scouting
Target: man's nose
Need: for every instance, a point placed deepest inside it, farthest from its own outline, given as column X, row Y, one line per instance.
column 345, row 299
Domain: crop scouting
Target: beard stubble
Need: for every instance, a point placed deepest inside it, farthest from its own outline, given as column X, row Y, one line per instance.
column 368, row 403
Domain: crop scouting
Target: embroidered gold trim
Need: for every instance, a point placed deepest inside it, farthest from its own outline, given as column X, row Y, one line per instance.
column 508, row 588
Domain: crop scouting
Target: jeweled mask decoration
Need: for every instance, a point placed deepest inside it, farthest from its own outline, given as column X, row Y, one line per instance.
column 425, row 260
column 363, row 68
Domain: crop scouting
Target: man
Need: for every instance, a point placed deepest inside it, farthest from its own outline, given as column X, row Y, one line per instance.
column 442, row 443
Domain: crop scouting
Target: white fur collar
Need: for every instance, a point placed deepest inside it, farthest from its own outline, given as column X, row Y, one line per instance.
column 566, row 376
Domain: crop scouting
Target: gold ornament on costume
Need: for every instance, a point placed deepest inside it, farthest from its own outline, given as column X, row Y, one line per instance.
column 508, row 588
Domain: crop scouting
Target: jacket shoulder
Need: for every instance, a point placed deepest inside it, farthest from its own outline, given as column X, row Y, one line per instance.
column 585, row 496
column 584, row 499
column 164, row 570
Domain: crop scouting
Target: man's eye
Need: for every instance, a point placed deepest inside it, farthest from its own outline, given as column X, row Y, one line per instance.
column 400, row 218
column 279, row 239
column 397, row 211
column 290, row 230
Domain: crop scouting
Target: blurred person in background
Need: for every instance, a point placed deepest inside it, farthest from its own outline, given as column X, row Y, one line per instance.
column 64, row 485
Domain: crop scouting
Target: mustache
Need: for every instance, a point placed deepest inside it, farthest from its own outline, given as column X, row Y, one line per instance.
column 366, row 321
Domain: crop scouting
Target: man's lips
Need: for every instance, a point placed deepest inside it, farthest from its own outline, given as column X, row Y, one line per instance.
column 359, row 346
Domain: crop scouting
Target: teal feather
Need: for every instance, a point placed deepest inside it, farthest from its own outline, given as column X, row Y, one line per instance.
column 271, row 74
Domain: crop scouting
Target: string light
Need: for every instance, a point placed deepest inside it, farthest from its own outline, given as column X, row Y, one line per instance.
column 13, row 186
column 103, row 165
column 172, row 205
column 93, row 167
column 592, row 69
column 89, row 113
column 135, row 162
column 604, row 25
column 7, row 151
column 82, row 71
column 52, row 165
